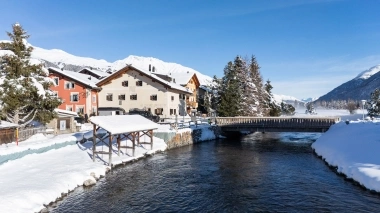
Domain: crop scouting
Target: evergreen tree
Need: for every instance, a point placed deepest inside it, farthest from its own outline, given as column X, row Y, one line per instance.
column 230, row 94
column 287, row 109
column 272, row 109
column 373, row 105
column 215, row 91
column 24, row 86
column 258, row 92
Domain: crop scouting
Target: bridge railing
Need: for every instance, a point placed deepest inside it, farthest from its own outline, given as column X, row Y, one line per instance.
column 278, row 121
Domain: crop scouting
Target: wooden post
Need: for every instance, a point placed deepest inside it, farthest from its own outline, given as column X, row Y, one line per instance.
column 110, row 149
column 93, row 142
column 151, row 139
column 17, row 136
column 138, row 138
column 118, row 144
column 133, row 143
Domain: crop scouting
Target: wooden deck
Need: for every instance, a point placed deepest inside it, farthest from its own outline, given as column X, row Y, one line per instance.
column 275, row 124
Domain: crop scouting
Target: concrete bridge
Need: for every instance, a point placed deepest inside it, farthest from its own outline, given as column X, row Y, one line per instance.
column 275, row 124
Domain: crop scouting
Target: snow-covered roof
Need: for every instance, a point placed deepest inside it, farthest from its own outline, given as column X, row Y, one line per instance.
column 7, row 125
column 65, row 112
column 95, row 72
column 79, row 77
column 182, row 78
column 147, row 73
column 119, row 124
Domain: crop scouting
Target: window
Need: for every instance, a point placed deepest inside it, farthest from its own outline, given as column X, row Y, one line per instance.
column 74, row 97
column 133, row 97
column 181, row 96
column 172, row 98
column 175, row 112
column 69, row 108
column 159, row 111
column 109, row 97
column 56, row 81
column 124, row 83
column 93, row 109
column 94, row 99
column 153, row 97
column 139, row 83
column 80, row 109
column 122, row 97
column 69, row 85
column 171, row 111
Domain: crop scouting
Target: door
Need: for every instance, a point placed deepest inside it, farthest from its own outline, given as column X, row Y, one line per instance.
column 62, row 125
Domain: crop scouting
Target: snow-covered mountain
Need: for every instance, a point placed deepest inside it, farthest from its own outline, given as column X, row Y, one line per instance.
column 75, row 63
column 358, row 88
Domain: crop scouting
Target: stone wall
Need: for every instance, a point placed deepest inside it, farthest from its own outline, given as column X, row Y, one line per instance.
column 190, row 137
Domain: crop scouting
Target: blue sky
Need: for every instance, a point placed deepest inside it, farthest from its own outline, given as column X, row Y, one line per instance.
column 305, row 48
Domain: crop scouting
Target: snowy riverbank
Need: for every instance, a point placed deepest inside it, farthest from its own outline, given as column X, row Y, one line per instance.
column 354, row 150
column 44, row 168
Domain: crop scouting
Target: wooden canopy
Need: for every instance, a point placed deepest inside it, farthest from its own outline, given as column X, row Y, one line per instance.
column 131, row 127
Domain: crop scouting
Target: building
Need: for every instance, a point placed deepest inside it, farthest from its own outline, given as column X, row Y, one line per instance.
column 131, row 88
column 188, row 80
column 98, row 74
column 77, row 91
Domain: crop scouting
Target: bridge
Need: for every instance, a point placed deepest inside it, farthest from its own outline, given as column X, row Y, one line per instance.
column 275, row 124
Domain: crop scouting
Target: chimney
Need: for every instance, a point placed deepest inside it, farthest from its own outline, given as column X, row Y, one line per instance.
column 62, row 69
column 89, row 78
column 188, row 71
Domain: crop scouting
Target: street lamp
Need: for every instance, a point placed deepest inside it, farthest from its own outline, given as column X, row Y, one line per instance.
column 363, row 103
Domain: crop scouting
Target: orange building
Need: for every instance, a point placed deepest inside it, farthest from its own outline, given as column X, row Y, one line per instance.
column 77, row 91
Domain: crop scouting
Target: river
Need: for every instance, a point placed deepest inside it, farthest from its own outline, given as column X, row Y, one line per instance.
column 271, row 172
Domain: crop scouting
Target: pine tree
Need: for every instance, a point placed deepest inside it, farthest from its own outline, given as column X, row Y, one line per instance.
column 230, row 94
column 24, row 86
column 258, row 91
column 373, row 105
column 272, row 109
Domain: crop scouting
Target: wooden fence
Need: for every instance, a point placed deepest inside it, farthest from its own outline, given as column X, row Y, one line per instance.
column 9, row 135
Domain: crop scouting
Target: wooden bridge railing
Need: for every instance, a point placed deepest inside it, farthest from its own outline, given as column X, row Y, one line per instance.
column 277, row 123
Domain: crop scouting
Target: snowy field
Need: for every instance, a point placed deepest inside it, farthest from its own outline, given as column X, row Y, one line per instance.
column 39, row 170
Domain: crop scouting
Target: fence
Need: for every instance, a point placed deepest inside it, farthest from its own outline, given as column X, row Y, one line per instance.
column 9, row 135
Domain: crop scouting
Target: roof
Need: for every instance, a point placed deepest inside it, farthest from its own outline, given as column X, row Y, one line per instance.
column 66, row 113
column 147, row 73
column 7, row 125
column 181, row 78
column 118, row 124
column 95, row 72
column 87, row 80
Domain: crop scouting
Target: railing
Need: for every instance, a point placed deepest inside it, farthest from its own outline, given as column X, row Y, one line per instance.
column 277, row 124
column 25, row 133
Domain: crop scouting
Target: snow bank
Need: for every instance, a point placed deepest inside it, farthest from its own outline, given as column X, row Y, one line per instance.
column 354, row 149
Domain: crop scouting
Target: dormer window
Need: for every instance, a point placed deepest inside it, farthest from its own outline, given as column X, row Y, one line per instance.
column 139, row 83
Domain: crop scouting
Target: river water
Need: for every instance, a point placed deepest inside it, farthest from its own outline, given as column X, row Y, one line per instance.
column 271, row 172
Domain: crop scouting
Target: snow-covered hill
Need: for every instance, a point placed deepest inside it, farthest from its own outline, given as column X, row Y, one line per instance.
column 358, row 88
column 59, row 57
column 368, row 73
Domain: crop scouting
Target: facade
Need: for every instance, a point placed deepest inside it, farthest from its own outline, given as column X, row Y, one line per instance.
column 188, row 80
column 131, row 88
column 77, row 91
column 64, row 123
